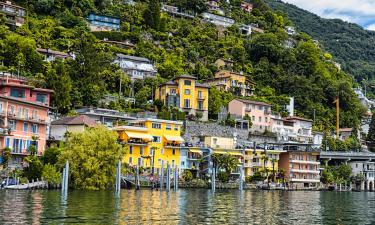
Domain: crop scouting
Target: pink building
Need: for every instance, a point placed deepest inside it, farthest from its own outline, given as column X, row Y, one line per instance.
column 301, row 167
column 259, row 112
column 23, row 116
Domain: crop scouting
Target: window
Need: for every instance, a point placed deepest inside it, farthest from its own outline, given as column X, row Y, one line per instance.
column 200, row 95
column 139, row 161
column 17, row 93
column 173, row 151
column 151, row 151
column 130, row 160
column 168, row 126
column 130, row 150
column 156, row 139
column 26, row 113
column 253, row 118
column 187, row 82
column 7, row 143
column 187, row 103
column 12, row 124
column 260, row 107
column 42, row 98
column 260, row 119
column 172, row 163
column 35, row 114
column 200, row 105
column 1, row 107
column 162, row 151
column 34, row 128
column 25, row 127
column 182, row 163
column 173, row 91
column 187, row 91
column 141, row 150
column 19, row 112
column 266, row 119
column 11, row 110
column 156, row 125
column 176, row 127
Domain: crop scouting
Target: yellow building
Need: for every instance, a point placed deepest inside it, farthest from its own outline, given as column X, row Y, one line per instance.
column 237, row 83
column 151, row 140
column 260, row 160
column 185, row 93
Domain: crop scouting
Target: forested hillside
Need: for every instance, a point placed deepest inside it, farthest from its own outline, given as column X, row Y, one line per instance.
column 177, row 46
column 351, row 45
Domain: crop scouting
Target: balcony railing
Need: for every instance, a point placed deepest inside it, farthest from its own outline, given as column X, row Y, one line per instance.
column 305, row 162
column 302, row 180
column 305, row 171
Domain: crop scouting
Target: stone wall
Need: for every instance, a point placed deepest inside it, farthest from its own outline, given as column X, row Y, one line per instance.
column 196, row 129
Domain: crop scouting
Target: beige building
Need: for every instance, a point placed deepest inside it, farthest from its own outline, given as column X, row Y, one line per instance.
column 236, row 83
column 75, row 124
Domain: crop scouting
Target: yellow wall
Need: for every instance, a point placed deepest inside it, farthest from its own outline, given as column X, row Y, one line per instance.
column 160, row 146
column 249, row 156
column 180, row 90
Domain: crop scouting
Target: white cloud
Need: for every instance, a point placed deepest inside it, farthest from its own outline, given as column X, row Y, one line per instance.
column 361, row 12
column 371, row 27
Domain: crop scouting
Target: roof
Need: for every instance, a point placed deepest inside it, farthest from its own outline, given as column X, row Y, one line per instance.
column 201, row 85
column 252, row 102
column 134, row 58
column 42, row 50
column 346, row 129
column 185, row 76
column 298, row 118
column 75, row 120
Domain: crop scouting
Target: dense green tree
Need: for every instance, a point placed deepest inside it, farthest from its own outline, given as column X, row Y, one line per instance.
column 33, row 169
column 152, row 14
column 93, row 156
column 51, row 174
column 371, row 134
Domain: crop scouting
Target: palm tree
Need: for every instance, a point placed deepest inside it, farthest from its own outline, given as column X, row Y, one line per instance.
column 265, row 160
column 273, row 168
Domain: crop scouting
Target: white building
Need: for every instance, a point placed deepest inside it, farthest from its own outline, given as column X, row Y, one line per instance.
column 136, row 67
column 367, row 169
column 218, row 20
column 283, row 129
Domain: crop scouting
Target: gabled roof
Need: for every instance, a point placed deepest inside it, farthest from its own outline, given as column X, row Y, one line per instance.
column 134, row 58
column 252, row 102
column 75, row 120
column 185, row 76
column 298, row 118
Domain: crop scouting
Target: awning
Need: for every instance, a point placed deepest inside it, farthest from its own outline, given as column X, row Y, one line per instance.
column 229, row 153
column 174, row 138
column 145, row 137
column 196, row 151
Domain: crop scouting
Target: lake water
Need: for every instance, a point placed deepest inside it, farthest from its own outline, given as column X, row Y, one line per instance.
column 186, row 207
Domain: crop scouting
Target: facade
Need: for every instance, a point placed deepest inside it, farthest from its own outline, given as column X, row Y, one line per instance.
column 303, row 128
column 151, row 141
column 284, row 129
column 174, row 11
column 301, row 166
column 259, row 112
column 24, row 115
column 345, row 133
column 259, row 160
column 51, row 55
column 218, row 20
column 103, row 23
column 185, row 93
column 74, row 124
column 15, row 14
column 367, row 170
column 107, row 117
column 136, row 67
column 232, row 82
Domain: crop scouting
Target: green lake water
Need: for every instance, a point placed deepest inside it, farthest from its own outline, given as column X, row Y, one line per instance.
column 186, row 207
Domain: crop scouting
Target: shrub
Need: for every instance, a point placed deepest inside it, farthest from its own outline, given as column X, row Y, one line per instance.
column 223, row 177
column 187, row 175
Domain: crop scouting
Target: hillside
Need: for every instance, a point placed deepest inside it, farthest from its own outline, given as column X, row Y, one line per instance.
column 177, row 46
column 351, row 45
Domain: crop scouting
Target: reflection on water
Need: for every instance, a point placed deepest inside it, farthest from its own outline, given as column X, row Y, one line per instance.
column 186, row 207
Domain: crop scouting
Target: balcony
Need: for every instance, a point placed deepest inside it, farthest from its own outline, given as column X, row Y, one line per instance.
column 305, row 162
column 136, row 142
column 304, row 171
column 256, row 164
column 247, row 165
column 302, row 180
column 247, row 157
column 201, row 97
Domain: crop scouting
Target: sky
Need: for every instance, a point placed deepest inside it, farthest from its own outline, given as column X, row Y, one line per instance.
column 361, row 12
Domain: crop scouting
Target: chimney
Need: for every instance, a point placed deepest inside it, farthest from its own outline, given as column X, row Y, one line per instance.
column 291, row 106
